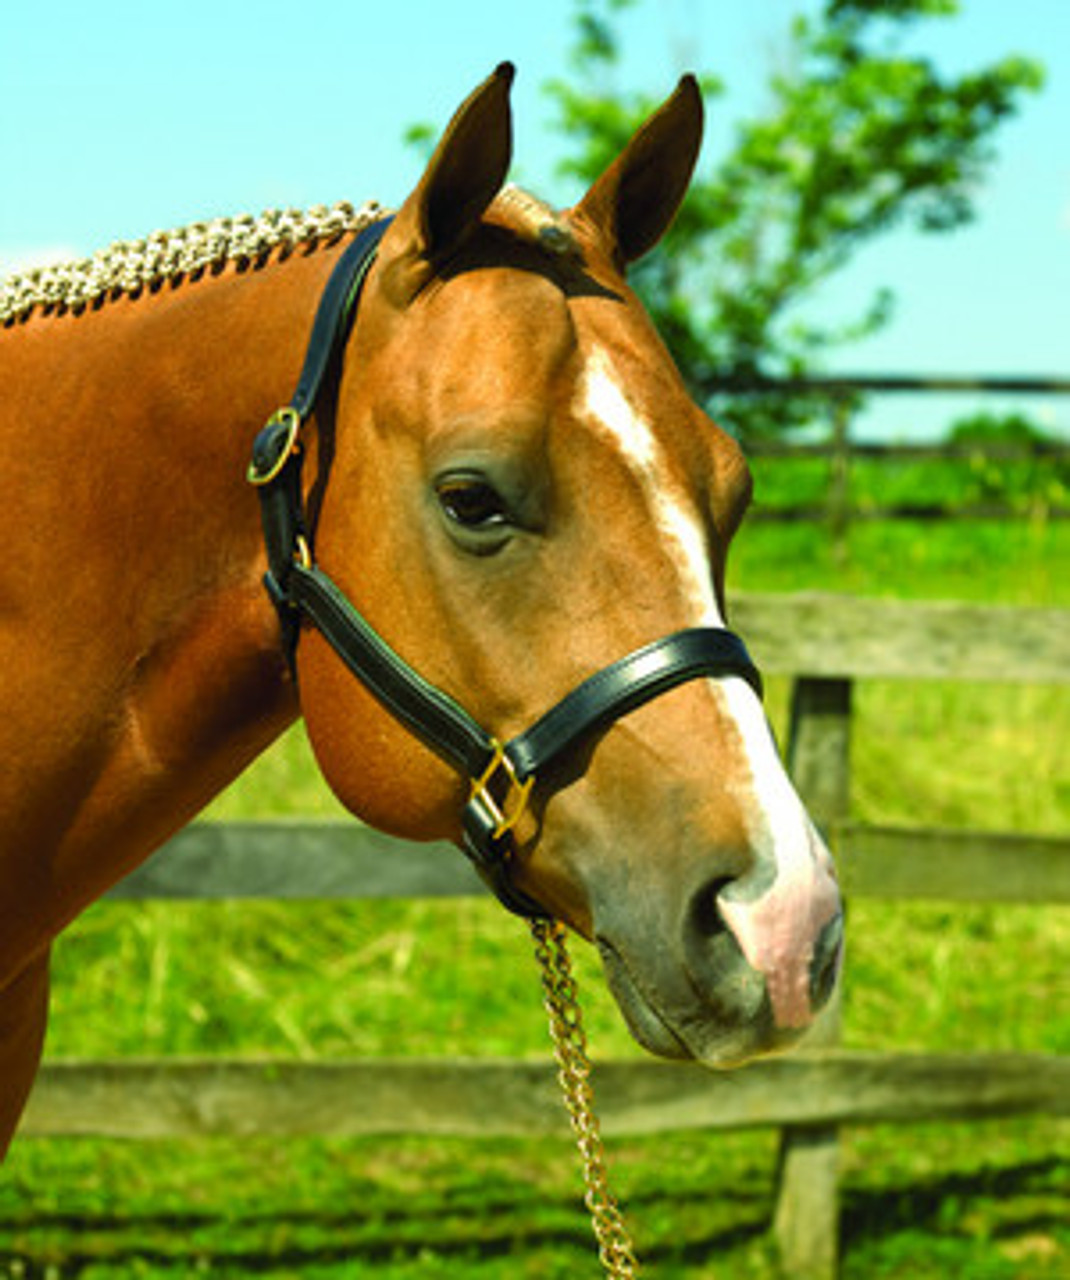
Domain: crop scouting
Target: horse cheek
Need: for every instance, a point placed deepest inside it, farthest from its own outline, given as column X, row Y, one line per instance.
column 373, row 764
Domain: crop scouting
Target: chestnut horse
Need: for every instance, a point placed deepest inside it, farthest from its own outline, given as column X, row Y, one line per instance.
column 504, row 473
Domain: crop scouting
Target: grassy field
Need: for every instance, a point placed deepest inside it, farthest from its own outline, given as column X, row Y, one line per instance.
column 1028, row 485
column 987, row 1202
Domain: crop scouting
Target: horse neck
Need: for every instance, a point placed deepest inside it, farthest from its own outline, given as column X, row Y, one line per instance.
column 154, row 402
column 142, row 669
column 142, row 417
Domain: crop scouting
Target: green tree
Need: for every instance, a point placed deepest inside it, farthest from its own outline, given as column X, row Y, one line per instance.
column 1011, row 459
column 1007, row 430
column 860, row 137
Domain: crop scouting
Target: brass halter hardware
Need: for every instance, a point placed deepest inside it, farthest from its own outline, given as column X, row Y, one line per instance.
column 615, row 1249
column 506, row 812
column 302, row 552
column 283, row 428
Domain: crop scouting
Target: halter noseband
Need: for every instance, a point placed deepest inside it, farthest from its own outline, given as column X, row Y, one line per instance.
column 501, row 775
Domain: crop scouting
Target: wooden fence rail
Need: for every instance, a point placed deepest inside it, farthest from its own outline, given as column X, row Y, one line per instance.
column 1040, row 494
column 826, row 643
column 182, row 1098
column 836, row 399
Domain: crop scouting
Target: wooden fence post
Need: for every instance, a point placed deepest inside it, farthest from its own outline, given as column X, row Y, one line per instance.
column 839, row 490
column 806, row 1221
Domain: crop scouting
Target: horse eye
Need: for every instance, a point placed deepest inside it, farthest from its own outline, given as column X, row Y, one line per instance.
column 472, row 503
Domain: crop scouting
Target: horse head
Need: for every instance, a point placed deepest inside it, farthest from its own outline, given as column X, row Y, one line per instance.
column 514, row 486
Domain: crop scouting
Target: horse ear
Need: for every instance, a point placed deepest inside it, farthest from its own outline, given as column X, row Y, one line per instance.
column 465, row 173
column 635, row 199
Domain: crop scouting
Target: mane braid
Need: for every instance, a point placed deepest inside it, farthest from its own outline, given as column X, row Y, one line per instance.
column 128, row 267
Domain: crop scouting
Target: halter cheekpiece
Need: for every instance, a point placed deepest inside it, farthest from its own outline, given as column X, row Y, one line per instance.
column 501, row 775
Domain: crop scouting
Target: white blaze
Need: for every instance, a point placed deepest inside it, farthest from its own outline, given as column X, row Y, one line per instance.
column 776, row 931
column 603, row 404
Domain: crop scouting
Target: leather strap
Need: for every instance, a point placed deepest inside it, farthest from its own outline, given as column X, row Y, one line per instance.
column 275, row 466
column 646, row 673
column 335, row 313
column 625, row 685
column 425, row 710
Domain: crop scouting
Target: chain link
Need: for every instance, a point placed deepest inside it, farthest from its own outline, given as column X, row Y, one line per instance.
column 574, row 1074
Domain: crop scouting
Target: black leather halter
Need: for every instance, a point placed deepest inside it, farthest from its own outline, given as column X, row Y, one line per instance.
column 501, row 775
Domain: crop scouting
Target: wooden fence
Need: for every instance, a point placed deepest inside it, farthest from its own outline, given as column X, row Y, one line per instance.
column 840, row 504
column 835, row 399
column 826, row 643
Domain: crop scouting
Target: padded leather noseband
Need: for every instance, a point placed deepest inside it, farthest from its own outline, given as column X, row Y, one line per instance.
column 501, row 775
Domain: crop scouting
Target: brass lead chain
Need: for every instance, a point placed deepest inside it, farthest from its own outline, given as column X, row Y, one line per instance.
column 574, row 1074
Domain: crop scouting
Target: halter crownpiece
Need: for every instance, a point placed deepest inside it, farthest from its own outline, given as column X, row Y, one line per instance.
column 502, row 776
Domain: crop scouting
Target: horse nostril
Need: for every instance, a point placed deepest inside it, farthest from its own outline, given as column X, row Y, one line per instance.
column 731, row 988
column 825, row 966
column 706, row 919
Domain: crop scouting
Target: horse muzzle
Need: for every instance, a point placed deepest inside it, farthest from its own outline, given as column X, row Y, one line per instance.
column 739, row 968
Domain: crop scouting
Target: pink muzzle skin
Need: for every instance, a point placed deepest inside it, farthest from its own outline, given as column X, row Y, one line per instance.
column 786, row 935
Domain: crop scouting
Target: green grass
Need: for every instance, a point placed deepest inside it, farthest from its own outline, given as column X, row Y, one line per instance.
column 1029, row 486
column 987, row 1202
column 1016, row 563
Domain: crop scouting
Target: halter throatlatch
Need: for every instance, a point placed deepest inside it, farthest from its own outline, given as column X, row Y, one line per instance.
column 502, row 775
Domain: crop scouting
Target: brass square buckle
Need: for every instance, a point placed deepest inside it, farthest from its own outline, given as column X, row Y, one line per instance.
column 500, row 793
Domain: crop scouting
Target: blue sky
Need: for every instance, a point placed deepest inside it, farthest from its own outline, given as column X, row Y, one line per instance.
column 124, row 117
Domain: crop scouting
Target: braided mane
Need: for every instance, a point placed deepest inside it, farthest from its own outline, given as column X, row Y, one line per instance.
column 128, row 267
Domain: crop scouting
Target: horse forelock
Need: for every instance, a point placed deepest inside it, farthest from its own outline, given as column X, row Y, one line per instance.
column 535, row 221
column 187, row 253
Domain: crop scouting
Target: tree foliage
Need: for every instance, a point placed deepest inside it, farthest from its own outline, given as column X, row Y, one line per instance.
column 1013, row 430
column 1012, row 459
column 859, row 137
